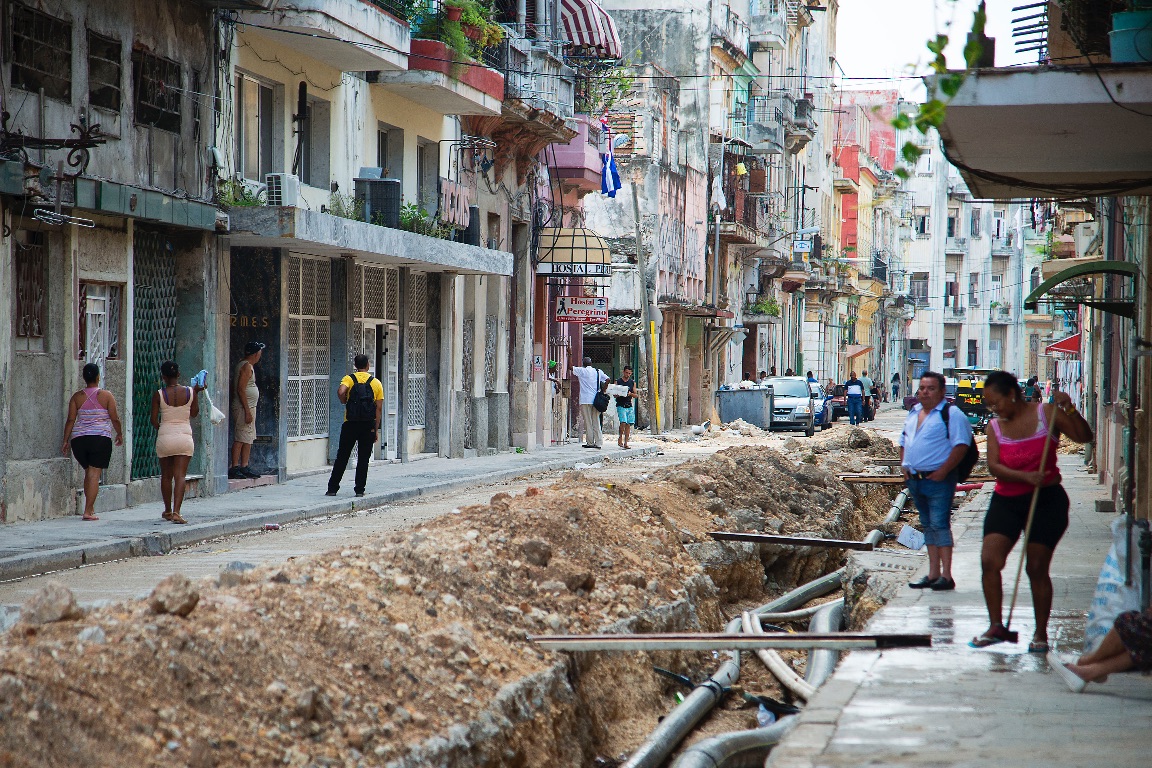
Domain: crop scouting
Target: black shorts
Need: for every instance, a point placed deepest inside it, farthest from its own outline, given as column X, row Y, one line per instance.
column 1008, row 515
column 92, row 451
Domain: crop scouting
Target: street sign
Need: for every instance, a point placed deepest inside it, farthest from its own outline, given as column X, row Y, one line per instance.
column 581, row 309
column 574, row 268
column 801, row 246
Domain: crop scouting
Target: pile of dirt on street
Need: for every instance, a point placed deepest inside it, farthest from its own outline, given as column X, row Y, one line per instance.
column 360, row 657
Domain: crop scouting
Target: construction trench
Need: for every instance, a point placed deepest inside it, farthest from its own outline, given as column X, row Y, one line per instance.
column 410, row 649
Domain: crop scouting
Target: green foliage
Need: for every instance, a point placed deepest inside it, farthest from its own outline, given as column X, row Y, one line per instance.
column 766, row 306
column 346, row 206
column 600, row 86
column 432, row 25
column 232, row 193
column 413, row 218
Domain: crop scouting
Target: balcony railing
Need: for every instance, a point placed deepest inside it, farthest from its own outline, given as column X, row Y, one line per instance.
column 804, row 113
column 533, row 75
column 770, row 26
column 1004, row 243
column 956, row 244
column 728, row 27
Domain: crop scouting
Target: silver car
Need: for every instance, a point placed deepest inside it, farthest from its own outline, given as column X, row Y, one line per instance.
column 794, row 404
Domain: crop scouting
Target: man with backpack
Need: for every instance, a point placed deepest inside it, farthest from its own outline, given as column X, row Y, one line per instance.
column 937, row 450
column 593, row 402
column 363, row 397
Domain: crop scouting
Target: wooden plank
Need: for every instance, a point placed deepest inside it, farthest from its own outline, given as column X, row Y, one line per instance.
column 797, row 541
column 719, row 641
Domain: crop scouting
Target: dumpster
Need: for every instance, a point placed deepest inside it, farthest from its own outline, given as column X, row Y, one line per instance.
column 752, row 405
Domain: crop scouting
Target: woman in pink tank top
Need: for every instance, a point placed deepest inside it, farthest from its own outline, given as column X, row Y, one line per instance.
column 88, row 433
column 1016, row 440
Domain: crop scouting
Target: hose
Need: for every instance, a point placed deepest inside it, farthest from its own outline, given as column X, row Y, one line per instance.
column 741, row 749
column 822, row 662
column 750, row 623
column 803, row 613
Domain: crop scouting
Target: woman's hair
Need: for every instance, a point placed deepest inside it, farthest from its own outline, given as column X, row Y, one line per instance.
column 169, row 369
column 1003, row 382
column 91, row 373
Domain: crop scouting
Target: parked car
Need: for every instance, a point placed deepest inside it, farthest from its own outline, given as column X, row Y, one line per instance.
column 824, row 398
column 839, row 402
column 794, row 404
column 950, row 389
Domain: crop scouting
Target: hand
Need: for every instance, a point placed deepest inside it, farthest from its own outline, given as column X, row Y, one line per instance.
column 197, row 388
column 249, row 417
column 119, row 440
column 1032, row 478
column 939, row 475
column 65, row 448
column 1062, row 400
column 904, row 471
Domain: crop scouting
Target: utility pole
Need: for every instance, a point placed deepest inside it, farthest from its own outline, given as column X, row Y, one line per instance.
column 649, row 334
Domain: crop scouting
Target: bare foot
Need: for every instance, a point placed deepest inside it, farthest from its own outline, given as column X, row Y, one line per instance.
column 89, row 516
column 1087, row 673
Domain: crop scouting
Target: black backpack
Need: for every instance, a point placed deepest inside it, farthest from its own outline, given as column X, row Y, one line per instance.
column 964, row 468
column 361, row 405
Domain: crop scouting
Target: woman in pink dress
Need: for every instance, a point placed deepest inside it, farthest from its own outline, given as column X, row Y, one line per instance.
column 173, row 409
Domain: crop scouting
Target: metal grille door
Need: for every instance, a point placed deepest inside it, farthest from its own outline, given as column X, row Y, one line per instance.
column 154, row 341
column 469, row 345
column 417, row 349
column 309, row 320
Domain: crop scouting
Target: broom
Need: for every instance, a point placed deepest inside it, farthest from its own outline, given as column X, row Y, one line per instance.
column 1014, row 637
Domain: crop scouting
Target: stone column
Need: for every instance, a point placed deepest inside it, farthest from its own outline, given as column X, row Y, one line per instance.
column 522, row 390
column 340, row 338
column 402, row 364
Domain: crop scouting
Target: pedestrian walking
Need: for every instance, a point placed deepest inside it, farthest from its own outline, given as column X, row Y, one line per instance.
column 854, row 389
column 870, row 403
column 92, row 420
column 625, row 407
column 245, row 397
column 173, row 408
column 812, row 379
column 935, row 439
column 363, row 397
column 589, row 379
column 1021, row 439
column 895, row 386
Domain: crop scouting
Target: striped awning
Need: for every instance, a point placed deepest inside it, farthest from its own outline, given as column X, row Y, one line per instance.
column 587, row 25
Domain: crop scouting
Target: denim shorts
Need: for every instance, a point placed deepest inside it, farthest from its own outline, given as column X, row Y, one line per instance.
column 627, row 415
column 933, row 500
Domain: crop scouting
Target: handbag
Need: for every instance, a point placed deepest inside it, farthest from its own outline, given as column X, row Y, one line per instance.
column 600, row 402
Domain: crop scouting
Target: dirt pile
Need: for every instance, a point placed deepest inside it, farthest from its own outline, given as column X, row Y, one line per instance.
column 410, row 649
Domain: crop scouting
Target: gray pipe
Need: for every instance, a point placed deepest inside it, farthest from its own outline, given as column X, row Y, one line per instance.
column 742, row 749
column 821, row 662
column 681, row 720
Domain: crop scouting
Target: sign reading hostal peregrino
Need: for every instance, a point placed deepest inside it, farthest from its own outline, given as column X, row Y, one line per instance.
column 581, row 309
column 574, row 268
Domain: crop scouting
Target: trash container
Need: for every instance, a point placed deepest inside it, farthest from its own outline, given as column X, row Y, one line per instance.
column 752, row 405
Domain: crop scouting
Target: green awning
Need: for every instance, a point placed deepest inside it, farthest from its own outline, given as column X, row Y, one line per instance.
column 1125, row 307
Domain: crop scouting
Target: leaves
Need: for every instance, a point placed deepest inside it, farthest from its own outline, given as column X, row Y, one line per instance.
column 911, row 152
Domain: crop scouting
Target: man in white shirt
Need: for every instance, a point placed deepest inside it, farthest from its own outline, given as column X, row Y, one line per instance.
column 589, row 379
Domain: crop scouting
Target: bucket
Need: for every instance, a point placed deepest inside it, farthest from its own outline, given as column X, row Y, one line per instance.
column 1131, row 37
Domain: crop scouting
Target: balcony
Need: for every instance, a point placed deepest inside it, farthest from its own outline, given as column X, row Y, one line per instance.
column 770, row 27
column 537, row 78
column 349, row 35
column 799, row 127
column 577, row 163
column 729, row 32
column 957, row 311
column 765, row 125
column 1000, row 313
column 1003, row 246
column 795, row 276
column 956, row 245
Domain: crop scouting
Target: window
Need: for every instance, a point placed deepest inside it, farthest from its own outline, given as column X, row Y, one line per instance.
column 951, row 290
column 103, row 72
column 975, row 223
column 315, row 144
column 98, row 316
column 390, row 150
column 972, row 362
column 30, row 258
column 255, row 117
column 997, row 284
column 427, row 174
column 974, row 289
column 309, row 296
column 158, row 83
column 952, row 217
column 998, row 227
column 41, row 53
column 1034, row 279
column 920, row 288
column 920, row 222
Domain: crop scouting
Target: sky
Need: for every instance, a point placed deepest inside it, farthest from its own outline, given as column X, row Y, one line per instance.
column 885, row 38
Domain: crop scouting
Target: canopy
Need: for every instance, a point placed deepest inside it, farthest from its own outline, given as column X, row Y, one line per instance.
column 855, row 350
column 587, row 25
column 573, row 251
column 1124, row 307
column 1070, row 345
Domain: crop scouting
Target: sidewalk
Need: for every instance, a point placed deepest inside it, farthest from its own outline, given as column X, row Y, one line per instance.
column 955, row 706
column 29, row 549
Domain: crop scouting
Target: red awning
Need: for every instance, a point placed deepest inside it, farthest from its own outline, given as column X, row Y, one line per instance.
column 587, row 25
column 1070, row 345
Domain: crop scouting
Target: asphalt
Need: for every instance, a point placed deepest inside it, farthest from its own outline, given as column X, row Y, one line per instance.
column 32, row 549
column 951, row 705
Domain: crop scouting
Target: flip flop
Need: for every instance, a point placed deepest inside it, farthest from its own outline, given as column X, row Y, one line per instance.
column 89, row 518
column 1074, row 682
column 177, row 519
column 991, row 637
column 166, row 516
column 1038, row 647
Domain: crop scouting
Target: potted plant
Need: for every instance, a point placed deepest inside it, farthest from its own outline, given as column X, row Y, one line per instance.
column 473, row 19
column 453, row 11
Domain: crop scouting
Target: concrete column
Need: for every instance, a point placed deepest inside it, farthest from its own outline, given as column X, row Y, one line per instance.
column 402, row 364
column 478, row 299
column 6, row 299
column 339, row 343
column 523, row 391
column 449, row 355
column 499, row 433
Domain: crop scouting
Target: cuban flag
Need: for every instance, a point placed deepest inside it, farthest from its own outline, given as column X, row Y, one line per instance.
column 609, row 174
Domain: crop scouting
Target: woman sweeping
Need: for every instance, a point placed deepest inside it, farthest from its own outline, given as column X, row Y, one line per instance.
column 173, row 409
column 1022, row 447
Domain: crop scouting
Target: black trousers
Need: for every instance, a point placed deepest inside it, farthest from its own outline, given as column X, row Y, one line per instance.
column 360, row 434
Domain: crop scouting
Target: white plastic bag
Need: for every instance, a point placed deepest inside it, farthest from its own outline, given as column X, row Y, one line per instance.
column 215, row 415
column 1113, row 597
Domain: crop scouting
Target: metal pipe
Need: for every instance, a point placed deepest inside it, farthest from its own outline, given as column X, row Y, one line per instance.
column 742, row 749
column 727, row 641
column 773, row 661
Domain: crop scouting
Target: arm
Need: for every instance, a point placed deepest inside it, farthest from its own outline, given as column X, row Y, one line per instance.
column 114, row 416
column 903, row 469
column 1068, row 419
column 194, row 411
column 342, row 394
column 241, row 393
column 69, row 424
column 155, row 410
column 379, row 416
column 1000, row 471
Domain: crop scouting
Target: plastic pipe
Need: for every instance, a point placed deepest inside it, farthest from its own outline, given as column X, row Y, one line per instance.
column 821, row 662
column 742, row 749
column 775, row 664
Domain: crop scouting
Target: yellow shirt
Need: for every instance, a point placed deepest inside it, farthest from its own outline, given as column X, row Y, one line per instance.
column 361, row 377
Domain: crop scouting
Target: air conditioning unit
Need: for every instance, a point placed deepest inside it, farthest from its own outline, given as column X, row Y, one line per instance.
column 382, row 197
column 283, row 190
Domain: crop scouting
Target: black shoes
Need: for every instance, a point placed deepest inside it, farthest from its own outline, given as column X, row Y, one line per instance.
column 359, row 493
column 330, row 493
column 939, row 584
column 242, row 473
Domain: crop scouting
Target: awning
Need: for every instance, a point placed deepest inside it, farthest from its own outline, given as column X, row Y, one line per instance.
column 573, row 251
column 855, row 350
column 1125, row 307
column 587, row 25
column 1070, row 345
column 618, row 325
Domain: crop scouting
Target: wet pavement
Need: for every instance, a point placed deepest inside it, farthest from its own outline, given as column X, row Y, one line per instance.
column 952, row 705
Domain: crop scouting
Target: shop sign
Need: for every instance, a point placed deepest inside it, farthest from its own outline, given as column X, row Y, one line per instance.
column 581, row 309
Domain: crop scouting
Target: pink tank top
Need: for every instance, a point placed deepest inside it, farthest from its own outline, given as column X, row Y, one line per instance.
column 1024, row 455
column 92, row 419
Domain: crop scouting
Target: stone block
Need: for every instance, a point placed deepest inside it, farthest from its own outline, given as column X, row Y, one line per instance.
column 871, row 579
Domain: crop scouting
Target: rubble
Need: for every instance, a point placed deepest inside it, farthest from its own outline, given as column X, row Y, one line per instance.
column 55, row 602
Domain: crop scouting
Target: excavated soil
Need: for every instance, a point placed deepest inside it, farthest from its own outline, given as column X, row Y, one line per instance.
column 410, row 649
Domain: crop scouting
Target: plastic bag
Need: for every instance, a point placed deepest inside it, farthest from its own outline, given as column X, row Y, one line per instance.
column 215, row 415
column 1113, row 596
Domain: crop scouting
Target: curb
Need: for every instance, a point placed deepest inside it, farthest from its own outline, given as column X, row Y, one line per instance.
column 46, row 561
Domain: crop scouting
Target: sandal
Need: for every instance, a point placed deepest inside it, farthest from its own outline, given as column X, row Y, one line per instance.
column 997, row 634
column 1074, row 682
column 166, row 516
column 89, row 517
column 177, row 519
column 1038, row 646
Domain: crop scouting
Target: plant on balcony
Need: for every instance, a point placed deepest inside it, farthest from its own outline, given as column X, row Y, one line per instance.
column 600, row 85
column 766, row 306
column 346, row 206
column 413, row 218
column 233, row 193
column 464, row 26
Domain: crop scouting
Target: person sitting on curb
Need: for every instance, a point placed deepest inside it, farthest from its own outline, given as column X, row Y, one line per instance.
column 930, row 450
column 1127, row 645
